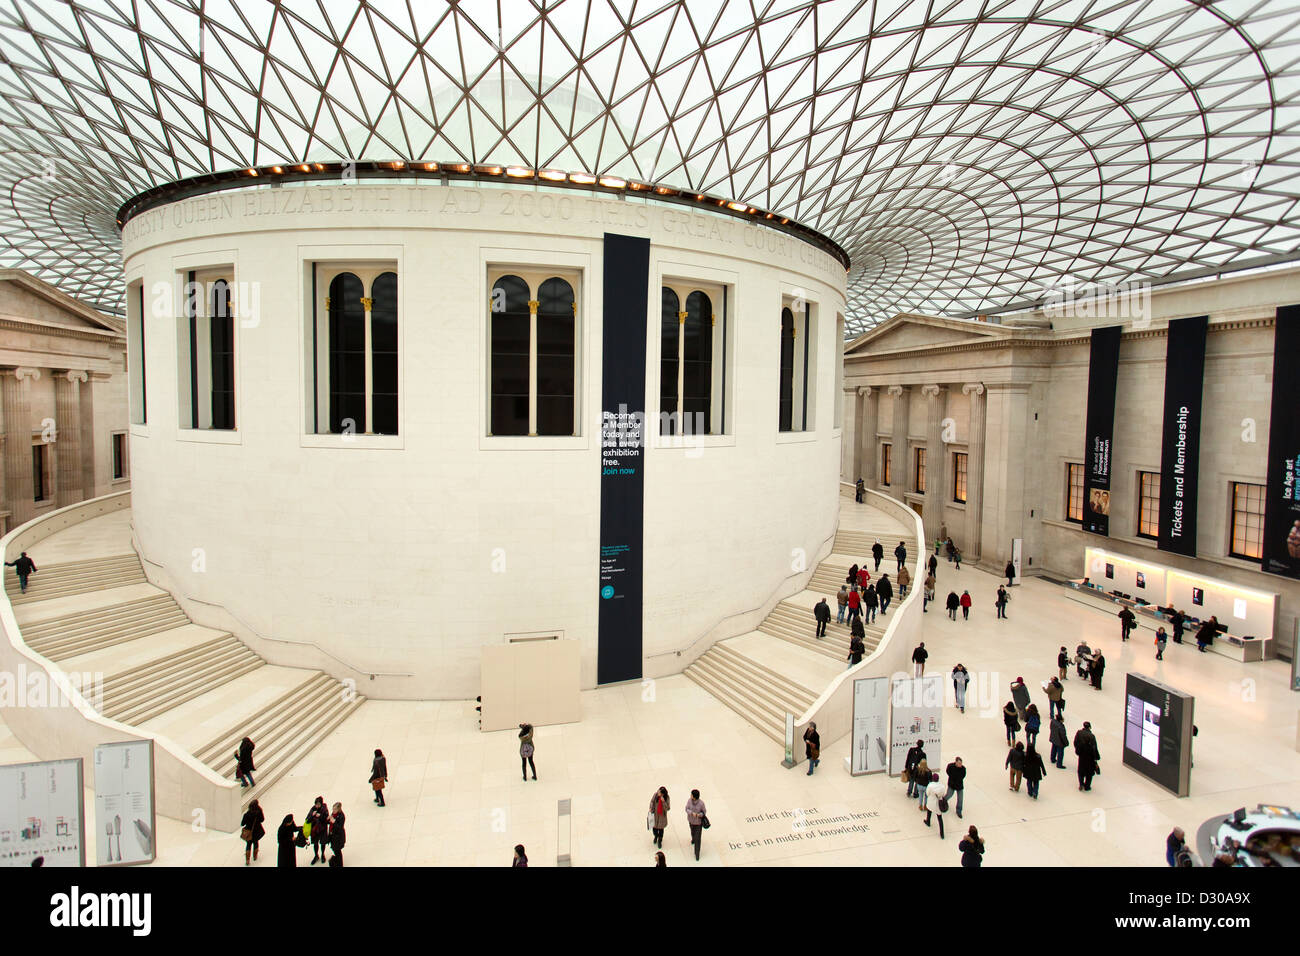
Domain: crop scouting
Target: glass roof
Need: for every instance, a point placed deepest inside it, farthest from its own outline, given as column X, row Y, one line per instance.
column 968, row 154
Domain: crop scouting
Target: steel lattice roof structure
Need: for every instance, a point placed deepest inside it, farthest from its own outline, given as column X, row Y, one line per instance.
column 968, row 154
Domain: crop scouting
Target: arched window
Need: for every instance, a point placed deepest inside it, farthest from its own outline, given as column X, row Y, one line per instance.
column 510, row 334
column 221, row 337
column 697, row 364
column 347, row 355
column 669, row 380
column 556, row 319
column 383, row 354
column 787, row 371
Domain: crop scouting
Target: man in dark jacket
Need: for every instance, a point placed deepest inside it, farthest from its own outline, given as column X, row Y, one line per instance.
column 870, row 601
column 884, row 591
column 859, row 489
column 1096, row 669
column 1089, row 757
column 1056, row 735
column 1205, row 636
column 1126, row 623
column 1010, row 572
column 877, row 554
column 954, row 602
column 23, row 567
column 934, row 566
column 919, row 657
column 1063, row 663
column 856, row 650
column 956, row 782
column 1178, row 620
column 822, row 612
column 914, row 756
column 901, row 553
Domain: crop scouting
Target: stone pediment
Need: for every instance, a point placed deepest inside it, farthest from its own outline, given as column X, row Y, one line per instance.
column 911, row 332
column 27, row 299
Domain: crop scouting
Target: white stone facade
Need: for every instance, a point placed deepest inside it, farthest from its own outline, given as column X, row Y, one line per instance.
column 401, row 556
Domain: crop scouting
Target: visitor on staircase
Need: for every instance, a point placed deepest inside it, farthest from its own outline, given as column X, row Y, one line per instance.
column 884, row 591
column 870, row 601
column 244, row 763
column 877, row 553
column 855, row 606
column 24, row 567
column 904, row 581
column 901, row 553
column 822, row 614
column 842, row 599
column 856, row 650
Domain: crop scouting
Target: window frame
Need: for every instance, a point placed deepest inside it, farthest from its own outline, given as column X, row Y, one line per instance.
column 1148, row 506
column 960, row 476
column 886, row 462
column 195, row 397
column 48, row 490
column 805, row 313
column 1232, row 519
column 124, row 457
column 720, row 297
column 920, row 462
column 1070, row 471
column 136, row 362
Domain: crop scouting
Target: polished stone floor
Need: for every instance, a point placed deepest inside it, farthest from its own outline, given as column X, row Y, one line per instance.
column 456, row 797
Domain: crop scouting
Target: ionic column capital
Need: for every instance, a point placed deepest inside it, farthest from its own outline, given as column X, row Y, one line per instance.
column 972, row 388
column 21, row 373
column 74, row 375
column 896, row 390
column 931, row 391
column 866, row 391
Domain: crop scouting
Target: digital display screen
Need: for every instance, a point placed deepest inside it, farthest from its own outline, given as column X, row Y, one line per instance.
column 1142, row 728
column 1157, row 732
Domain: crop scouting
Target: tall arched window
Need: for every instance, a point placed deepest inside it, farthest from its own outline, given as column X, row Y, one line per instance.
column 697, row 364
column 221, row 337
column 347, row 355
column 669, row 380
column 556, row 322
column 510, row 333
column 383, row 354
column 787, row 371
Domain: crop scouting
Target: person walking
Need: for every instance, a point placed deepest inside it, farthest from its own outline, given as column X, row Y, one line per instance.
column 1087, row 755
column 949, row 548
column 972, row 847
column 1033, row 722
column 697, row 815
column 1034, row 770
column 855, row 605
column 24, row 567
column 960, row 678
column 812, row 746
column 965, row 605
column 934, row 566
column 1020, row 697
column 1063, row 664
column 1011, row 720
column 856, row 629
column 938, row 804
column 318, row 824
column 852, row 579
column 379, row 776
column 856, row 651
column 859, row 489
column 922, row 783
column 1010, row 572
column 1001, row 602
column 526, row 750
column 1178, row 620
column 338, row 834
column 659, row 807
column 286, row 838
column 1057, row 737
column 1097, row 668
column 956, row 772
column 927, row 594
column 822, row 614
column 520, row 859
column 1162, row 639
column 919, row 657
column 1082, row 656
column 863, row 577
column 660, row 859
column 1055, row 697
column 869, row 603
column 877, row 553
column 1126, row 623
column 1205, row 634
column 1016, row 762
column 842, row 600
column 915, row 757
column 954, row 602
column 251, row 830
column 904, row 581
column 901, row 554
column 244, row 763
column 885, row 592
column 1174, row 844
column 956, row 557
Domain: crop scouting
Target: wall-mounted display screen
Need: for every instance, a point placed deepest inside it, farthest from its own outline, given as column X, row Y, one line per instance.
column 1158, row 733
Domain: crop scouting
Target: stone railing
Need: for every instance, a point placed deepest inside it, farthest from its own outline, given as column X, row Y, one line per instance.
column 63, row 724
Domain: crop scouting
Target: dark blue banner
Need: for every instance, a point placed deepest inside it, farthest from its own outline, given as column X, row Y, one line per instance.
column 1180, row 448
column 1281, row 552
column 1103, row 371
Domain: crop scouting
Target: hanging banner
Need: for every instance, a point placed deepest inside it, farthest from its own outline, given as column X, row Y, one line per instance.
column 622, row 458
column 124, row 804
column 870, row 753
column 916, row 714
column 1103, row 370
column 1281, row 552
column 42, row 813
column 1180, row 447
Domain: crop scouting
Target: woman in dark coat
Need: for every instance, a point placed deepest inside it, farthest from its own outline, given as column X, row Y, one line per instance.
column 287, row 839
column 1095, row 671
column 1011, row 718
column 338, row 836
column 1034, row 770
column 244, row 768
column 252, row 823
column 812, row 746
column 972, row 848
column 319, row 818
column 379, row 776
column 1016, row 763
column 954, row 602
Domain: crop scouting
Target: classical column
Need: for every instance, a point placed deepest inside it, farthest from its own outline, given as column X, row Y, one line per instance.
column 1007, row 436
column 850, row 446
column 18, row 442
column 975, row 471
column 902, row 468
column 936, row 460
column 868, row 444
column 67, row 450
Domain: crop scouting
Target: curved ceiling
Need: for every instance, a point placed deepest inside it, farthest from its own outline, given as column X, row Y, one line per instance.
column 968, row 154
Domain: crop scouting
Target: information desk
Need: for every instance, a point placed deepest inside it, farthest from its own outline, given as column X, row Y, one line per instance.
column 1267, row 836
column 1236, row 647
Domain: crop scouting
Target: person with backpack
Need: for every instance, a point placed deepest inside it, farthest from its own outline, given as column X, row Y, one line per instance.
column 1126, row 623
column 24, row 567
column 938, row 803
column 901, row 554
column 842, row 600
column 859, row 489
column 659, row 807
column 1032, row 724
column 317, row 822
column 1034, row 770
column 972, row 847
column 965, row 605
column 379, row 776
column 960, row 678
column 877, row 553
column 1001, row 603
column 822, row 614
column 884, row 591
column 915, row 756
column 954, row 602
column 1016, row 763
column 919, row 656
column 1057, row 737
column 1162, row 639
